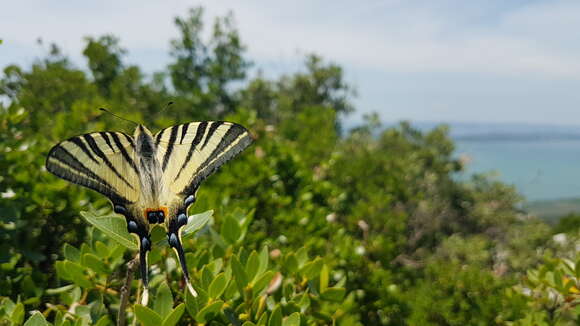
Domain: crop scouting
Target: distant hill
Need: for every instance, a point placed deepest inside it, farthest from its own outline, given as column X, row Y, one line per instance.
column 472, row 131
column 552, row 210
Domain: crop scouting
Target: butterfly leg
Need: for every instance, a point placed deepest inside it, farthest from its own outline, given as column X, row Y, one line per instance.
column 174, row 238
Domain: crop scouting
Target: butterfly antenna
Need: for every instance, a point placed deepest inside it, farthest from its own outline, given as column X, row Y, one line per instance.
column 111, row 113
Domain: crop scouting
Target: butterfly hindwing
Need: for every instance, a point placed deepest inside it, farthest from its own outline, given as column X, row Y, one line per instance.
column 102, row 161
column 190, row 152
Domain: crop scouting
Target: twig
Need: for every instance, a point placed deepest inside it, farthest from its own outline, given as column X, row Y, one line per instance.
column 126, row 290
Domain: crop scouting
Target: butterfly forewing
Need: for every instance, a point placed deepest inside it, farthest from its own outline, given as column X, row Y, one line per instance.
column 101, row 161
column 191, row 152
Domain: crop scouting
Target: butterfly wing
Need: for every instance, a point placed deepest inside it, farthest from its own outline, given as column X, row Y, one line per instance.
column 188, row 154
column 191, row 152
column 101, row 161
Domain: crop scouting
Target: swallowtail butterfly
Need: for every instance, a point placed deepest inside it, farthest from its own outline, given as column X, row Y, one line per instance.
column 150, row 179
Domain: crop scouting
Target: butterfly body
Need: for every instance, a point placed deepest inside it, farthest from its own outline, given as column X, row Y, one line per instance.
column 150, row 179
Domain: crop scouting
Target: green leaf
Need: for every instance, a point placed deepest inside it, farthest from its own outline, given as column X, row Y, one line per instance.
column 83, row 311
column 208, row 312
column 276, row 317
column 218, row 286
column 147, row 316
column 302, row 256
column 61, row 271
column 71, row 253
column 85, row 249
column 163, row 302
column 263, row 321
column 264, row 257
column 95, row 263
column 206, row 277
column 191, row 303
column 114, row 226
column 248, row 323
column 102, row 249
column 312, row 269
column 304, row 302
column 333, row 294
column 292, row 320
column 158, row 234
column 231, row 230
column 263, row 281
column 173, row 318
column 291, row 263
column 37, row 319
column 60, row 289
column 117, row 251
column 559, row 283
column 252, row 266
column 103, row 321
column 239, row 273
column 59, row 318
column 18, row 314
column 324, row 278
column 195, row 223
column 7, row 305
column 77, row 274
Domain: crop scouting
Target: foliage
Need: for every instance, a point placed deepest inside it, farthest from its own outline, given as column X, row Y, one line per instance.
column 568, row 224
column 554, row 293
column 312, row 225
column 233, row 285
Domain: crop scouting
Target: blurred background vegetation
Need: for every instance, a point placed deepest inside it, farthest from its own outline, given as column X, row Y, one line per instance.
column 400, row 240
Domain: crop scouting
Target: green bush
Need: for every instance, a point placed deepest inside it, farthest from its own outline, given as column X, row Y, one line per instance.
column 234, row 285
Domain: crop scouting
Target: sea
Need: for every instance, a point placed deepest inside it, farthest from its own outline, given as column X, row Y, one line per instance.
column 541, row 161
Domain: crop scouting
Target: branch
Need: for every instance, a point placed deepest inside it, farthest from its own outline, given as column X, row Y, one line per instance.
column 126, row 290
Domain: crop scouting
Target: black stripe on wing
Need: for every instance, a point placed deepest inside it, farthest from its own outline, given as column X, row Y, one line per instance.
column 158, row 137
column 93, row 145
column 184, row 132
column 213, row 127
column 105, row 136
column 235, row 140
column 172, row 138
column 80, row 144
column 63, row 164
column 121, row 147
column 196, row 140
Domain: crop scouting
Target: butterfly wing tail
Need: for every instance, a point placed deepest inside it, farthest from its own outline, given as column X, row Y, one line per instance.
column 143, row 249
column 175, row 243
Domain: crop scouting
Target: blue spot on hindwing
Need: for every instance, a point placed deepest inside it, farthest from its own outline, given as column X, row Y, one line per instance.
column 189, row 200
column 145, row 244
column 173, row 241
column 181, row 220
column 132, row 227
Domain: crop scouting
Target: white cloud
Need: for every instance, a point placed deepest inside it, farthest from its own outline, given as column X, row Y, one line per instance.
column 447, row 36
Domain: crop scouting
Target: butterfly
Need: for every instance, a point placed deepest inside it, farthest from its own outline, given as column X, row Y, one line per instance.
column 150, row 179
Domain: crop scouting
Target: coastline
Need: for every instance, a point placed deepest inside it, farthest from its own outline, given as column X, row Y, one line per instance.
column 551, row 210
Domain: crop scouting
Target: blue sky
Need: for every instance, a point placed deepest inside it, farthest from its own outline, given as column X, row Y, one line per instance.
column 454, row 61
